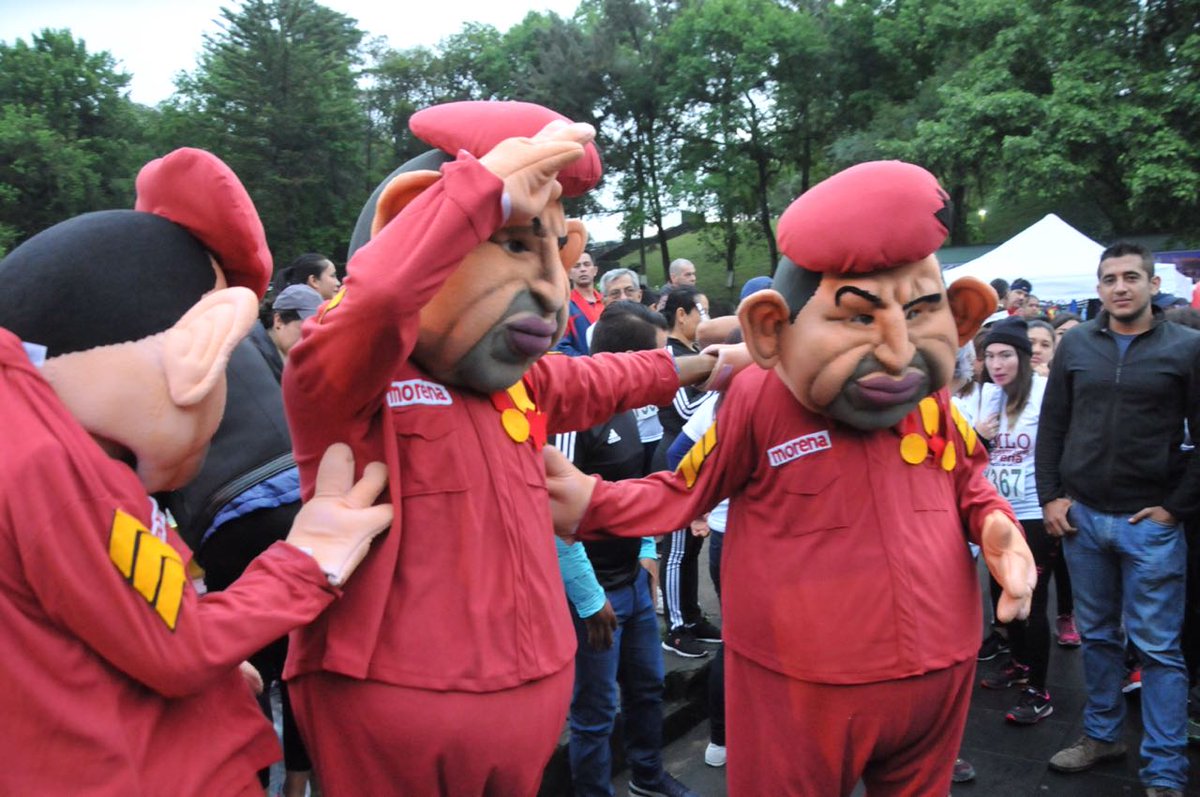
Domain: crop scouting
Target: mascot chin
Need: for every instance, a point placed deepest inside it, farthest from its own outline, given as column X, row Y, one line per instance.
column 115, row 330
column 851, row 604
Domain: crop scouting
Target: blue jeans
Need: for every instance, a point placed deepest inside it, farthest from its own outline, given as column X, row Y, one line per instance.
column 1135, row 571
column 635, row 663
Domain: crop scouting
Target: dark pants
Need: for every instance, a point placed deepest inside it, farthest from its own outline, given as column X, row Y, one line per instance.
column 1062, row 587
column 1030, row 639
column 634, row 664
column 679, row 556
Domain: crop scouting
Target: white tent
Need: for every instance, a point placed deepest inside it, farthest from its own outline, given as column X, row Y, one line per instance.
column 1058, row 260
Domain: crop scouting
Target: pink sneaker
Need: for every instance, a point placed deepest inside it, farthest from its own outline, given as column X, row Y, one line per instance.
column 1068, row 635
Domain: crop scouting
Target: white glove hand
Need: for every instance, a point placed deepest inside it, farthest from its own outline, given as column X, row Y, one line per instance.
column 337, row 525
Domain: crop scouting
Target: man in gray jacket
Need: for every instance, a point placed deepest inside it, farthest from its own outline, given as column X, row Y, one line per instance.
column 1113, row 482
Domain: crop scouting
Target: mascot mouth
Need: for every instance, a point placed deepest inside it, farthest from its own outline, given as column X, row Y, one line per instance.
column 879, row 390
column 530, row 336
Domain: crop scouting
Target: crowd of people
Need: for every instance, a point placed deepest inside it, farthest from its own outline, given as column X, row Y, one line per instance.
column 847, row 467
column 1087, row 430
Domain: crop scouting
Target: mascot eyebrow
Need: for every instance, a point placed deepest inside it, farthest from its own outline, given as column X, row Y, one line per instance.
column 859, row 292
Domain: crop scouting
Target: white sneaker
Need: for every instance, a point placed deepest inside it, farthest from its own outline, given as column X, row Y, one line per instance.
column 714, row 755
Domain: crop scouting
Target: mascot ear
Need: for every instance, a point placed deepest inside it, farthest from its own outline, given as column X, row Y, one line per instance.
column 764, row 317
column 403, row 188
column 971, row 302
column 197, row 348
column 577, row 239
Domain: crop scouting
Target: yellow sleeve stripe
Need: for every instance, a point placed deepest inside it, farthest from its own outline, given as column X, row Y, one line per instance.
column 151, row 567
column 968, row 433
column 690, row 465
column 332, row 303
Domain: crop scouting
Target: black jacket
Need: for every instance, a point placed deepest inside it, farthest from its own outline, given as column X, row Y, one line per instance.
column 613, row 451
column 1110, row 430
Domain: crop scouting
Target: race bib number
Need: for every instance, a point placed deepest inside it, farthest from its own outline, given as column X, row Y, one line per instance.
column 1009, row 481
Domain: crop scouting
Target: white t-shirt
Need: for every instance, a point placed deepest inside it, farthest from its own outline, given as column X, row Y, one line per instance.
column 970, row 405
column 1011, row 467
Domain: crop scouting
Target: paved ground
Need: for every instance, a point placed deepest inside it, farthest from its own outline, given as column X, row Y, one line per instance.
column 1010, row 760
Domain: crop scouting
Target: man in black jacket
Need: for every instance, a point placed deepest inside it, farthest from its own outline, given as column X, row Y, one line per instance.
column 608, row 586
column 1113, row 482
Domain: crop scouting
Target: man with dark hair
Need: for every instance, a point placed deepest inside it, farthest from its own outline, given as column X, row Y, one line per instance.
column 629, row 326
column 609, row 586
column 1113, row 483
column 1018, row 293
column 585, row 307
column 1000, row 286
column 621, row 285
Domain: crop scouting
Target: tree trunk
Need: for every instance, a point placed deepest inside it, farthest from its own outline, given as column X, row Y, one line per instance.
column 958, row 199
column 764, row 209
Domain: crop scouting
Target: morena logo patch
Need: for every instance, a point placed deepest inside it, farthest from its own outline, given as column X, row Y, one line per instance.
column 798, row 447
column 417, row 391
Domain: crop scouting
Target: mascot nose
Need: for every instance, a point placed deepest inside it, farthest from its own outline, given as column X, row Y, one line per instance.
column 895, row 350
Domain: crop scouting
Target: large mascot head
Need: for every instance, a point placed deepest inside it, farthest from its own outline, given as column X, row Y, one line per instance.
column 506, row 303
column 135, row 312
column 860, row 325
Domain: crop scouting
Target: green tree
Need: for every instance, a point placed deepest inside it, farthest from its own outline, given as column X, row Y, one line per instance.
column 70, row 139
column 275, row 96
column 639, row 131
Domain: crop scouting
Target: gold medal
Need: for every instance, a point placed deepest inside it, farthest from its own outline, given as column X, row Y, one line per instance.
column 516, row 424
column 520, row 397
column 913, row 449
column 949, row 458
column 929, row 415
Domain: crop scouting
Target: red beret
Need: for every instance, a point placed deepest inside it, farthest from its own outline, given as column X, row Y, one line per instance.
column 869, row 217
column 197, row 191
column 478, row 126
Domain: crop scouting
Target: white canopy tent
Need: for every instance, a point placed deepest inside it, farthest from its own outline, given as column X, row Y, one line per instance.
column 1058, row 260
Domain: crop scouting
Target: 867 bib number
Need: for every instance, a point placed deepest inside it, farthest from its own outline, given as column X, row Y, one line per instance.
column 1009, row 480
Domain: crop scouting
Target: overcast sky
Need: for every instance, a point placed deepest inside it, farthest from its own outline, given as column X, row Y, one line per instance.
column 153, row 40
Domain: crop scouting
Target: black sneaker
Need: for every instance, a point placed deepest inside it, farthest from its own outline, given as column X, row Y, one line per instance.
column 681, row 642
column 992, row 647
column 1033, row 707
column 704, row 631
column 1013, row 674
column 667, row 786
column 963, row 771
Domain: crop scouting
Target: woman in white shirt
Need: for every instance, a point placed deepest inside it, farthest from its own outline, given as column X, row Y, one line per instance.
column 1010, row 405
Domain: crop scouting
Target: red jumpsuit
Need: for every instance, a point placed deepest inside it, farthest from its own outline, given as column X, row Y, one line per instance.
column 116, row 678
column 851, row 605
column 446, row 666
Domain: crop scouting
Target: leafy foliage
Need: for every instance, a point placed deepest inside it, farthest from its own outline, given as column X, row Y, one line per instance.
column 727, row 109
